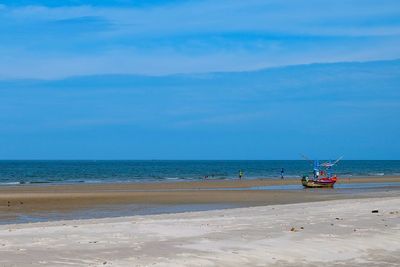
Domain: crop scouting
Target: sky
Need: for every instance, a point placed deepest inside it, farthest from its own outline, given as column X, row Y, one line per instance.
column 55, row 39
column 257, row 79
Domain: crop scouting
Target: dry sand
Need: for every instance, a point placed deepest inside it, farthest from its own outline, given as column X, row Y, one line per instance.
column 327, row 233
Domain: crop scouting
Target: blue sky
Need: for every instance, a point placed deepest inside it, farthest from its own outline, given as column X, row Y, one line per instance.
column 199, row 79
column 56, row 39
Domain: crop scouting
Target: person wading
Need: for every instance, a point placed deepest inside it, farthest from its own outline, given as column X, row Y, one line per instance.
column 240, row 174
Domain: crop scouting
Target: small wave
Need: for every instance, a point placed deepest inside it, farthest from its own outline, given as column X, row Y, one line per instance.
column 376, row 174
column 24, row 182
column 78, row 181
column 290, row 176
column 10, row 183
column 89, row 181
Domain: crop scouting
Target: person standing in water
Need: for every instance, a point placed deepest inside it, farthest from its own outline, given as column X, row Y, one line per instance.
column 240, row 174
column 282, row 172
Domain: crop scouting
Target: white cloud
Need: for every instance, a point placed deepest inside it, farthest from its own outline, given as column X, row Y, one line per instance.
column 290, row 17
column 22, row 64
column 141, row 40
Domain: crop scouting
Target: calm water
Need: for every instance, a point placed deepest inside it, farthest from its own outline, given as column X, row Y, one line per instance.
column 23, row 172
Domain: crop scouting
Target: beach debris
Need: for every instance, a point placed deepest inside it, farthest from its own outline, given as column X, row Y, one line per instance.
column 293, row 229
column 302, row 228
column 104, row 263
column 375, row 211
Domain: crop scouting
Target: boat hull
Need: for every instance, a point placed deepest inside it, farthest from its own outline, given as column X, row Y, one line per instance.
column 320, row 183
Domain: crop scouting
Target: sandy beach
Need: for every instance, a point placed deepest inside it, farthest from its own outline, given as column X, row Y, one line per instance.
column 307, row 234
column 247, row 225
column 25, row 200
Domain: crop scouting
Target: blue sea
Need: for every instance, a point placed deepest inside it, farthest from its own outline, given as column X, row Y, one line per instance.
column 122, row 171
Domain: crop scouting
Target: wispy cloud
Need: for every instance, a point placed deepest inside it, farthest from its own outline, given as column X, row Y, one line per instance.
column 340, row 108
column 47, row 40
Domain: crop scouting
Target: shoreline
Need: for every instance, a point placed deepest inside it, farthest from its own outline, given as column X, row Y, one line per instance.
column 28, row 200
column 200, row 182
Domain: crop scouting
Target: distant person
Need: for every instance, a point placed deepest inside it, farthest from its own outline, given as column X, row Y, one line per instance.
column 240, row 174
column 282, row 172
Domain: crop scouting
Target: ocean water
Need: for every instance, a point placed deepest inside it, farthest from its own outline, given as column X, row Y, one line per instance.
column 121, row 171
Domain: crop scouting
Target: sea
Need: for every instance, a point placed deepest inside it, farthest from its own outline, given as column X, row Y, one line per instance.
column 15, row 172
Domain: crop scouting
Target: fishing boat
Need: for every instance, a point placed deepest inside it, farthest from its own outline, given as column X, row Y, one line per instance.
column 322, row 175
column 318, row 183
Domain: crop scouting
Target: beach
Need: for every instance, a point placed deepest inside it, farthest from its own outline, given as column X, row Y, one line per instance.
column 353, row 232
column 30, row 203
column 23, row 200
column 259, row 222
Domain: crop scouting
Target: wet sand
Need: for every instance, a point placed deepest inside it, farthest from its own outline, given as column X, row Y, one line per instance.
column 27, row 199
